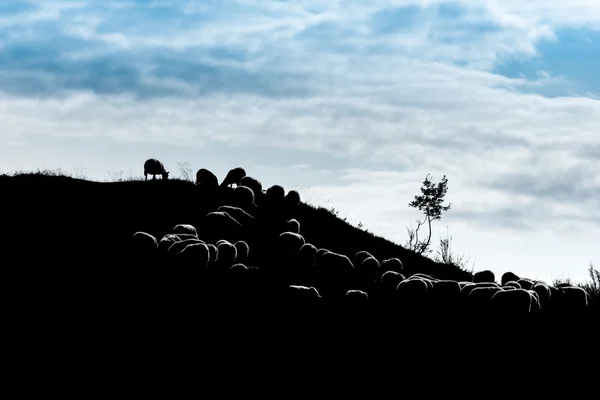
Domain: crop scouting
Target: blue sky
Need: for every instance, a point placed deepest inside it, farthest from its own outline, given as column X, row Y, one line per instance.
column 350, row 102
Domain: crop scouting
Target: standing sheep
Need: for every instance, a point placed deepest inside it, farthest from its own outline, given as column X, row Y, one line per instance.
column 206, row 179
column 154, row 167
column 484, row 276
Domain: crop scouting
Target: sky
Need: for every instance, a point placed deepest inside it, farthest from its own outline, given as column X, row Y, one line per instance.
column 352, row 103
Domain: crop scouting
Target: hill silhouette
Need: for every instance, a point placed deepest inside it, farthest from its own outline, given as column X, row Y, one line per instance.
column 71, row 241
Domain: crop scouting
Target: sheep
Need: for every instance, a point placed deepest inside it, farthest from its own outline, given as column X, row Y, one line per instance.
column 166, row 242
column 512, row 302
column 293, row 226
column 387, row 286
column 360, row 256
column 239, row 215
column 356, row 297
column 234, row 176
column 366, row 273
column 573, row 298
column 480, row 298
column 220, row 225
column 185, row 236
column 243, row 198
column 213, row 252
column 411, row 294
column 176, row 247
column 525, row 283
column 424, row 276
column 274, row 198
column 226, row 255
column 535, row 300
column 194, row 255
column 513, row 284
column 309, row 249
column 445, row 294
column 154, row 167
column 144, row 244
column 543, row 292
column 508, row 277
column 291, row 242
column 243, row 251
column 253, row 184
column 391, row 264
column 185, row 229
column 292, row 200
column 466, row 289
column 298, row 294
column 484, row 276
column 335, row 273
column 206, row 179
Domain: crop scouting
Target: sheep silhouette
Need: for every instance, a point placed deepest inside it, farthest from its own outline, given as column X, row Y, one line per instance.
column 154, row 167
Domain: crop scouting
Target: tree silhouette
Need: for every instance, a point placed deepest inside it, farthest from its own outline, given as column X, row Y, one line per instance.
column 430, row 202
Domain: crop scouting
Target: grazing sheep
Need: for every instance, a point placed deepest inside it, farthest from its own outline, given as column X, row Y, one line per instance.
column 144, row 244
column 573, row 298
column 543, row 292
column 195, row 255
column 293, row 226
column 213, row 252
column 154, row 167
column 243, row 197
column 525, row 283
column 292, row 200
column 484, row 276
column 335, row 273
column 512, row 302
column 480, row 298
column 387, row 287
column 234, row 176
column 511, row 284
column 274, row 198
column 185, row 229
column 391, row 264
column 424, row 276
column 253, row 184
column 412, row 294
column 176, row 247
column 239, row 215
column 226, row 255
column 220, row 225
column 366, row 273
column 428, row 281
column 466, row 289
column 243, row 251
column 206, row 179
column 303, row 295
column 165, row 243
column 508, row 277
column 360, row 256
column 291, row 242
column 356, row 297
column 535, row 301
column 445, row 294
column 309, row 249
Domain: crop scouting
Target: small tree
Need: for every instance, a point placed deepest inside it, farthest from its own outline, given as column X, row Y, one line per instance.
column 430, row 202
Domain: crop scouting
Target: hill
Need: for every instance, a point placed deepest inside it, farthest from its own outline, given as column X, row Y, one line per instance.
column 70, row 240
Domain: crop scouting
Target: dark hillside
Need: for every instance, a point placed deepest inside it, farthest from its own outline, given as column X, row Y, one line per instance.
column 69, row 245
column 84, row 223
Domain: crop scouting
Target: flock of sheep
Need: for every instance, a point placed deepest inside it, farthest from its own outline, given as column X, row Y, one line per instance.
column 250, row 248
